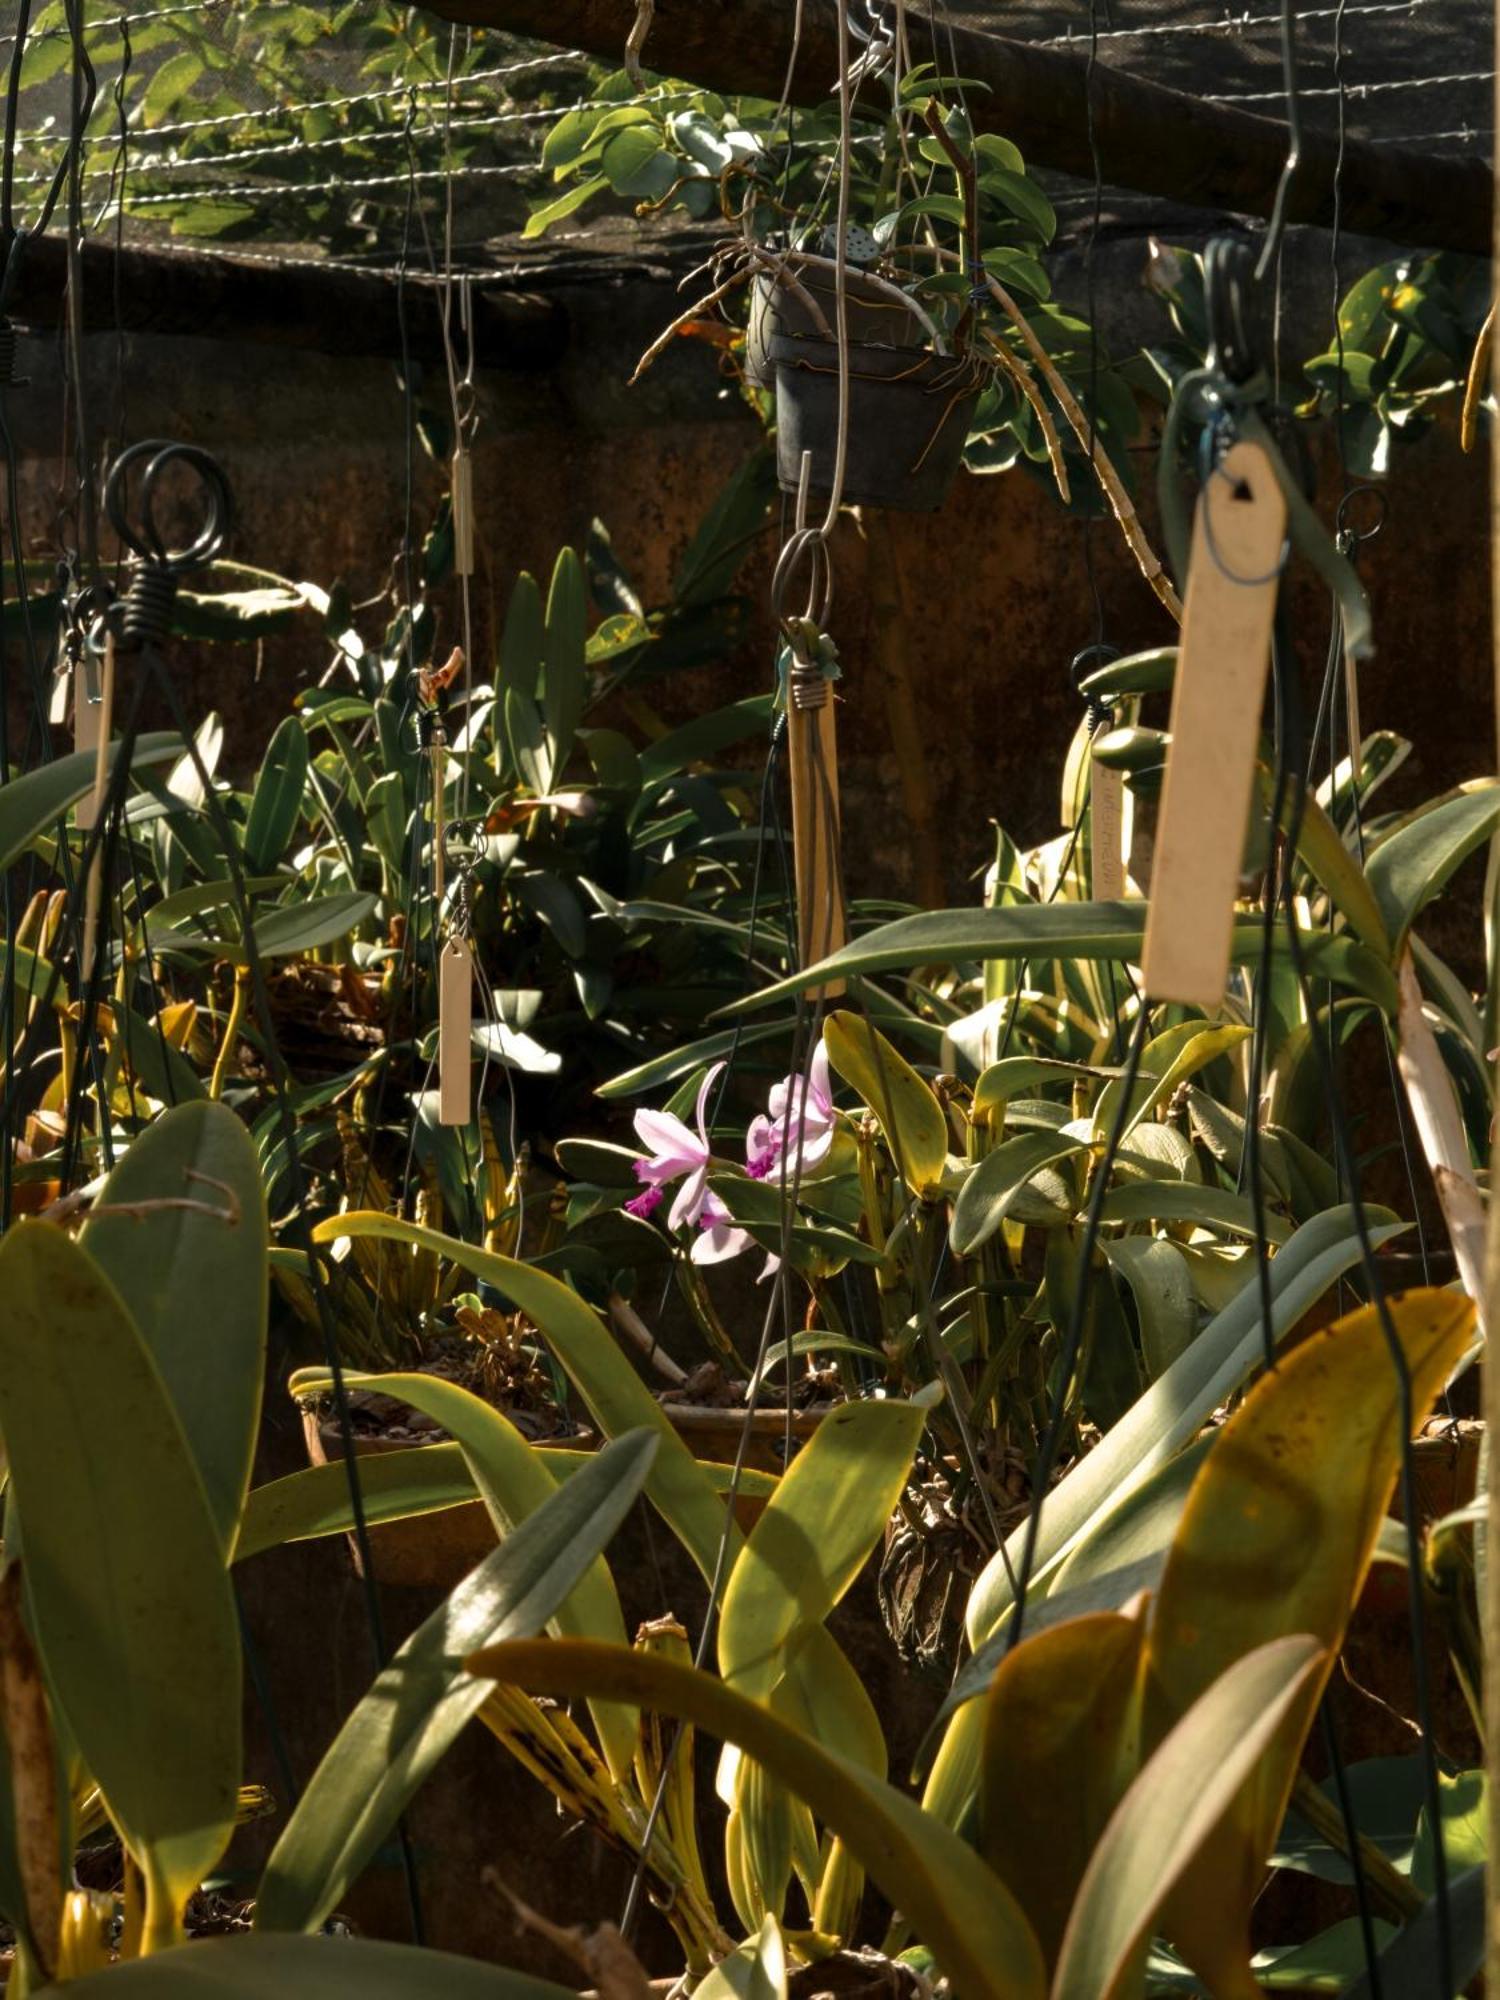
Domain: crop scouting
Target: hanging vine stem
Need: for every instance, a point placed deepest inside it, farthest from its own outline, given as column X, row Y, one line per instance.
column 1027, row 386
column 1113, row 486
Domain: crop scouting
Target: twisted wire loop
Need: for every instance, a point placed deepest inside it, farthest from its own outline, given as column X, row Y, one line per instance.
column 1100, row 713
column 156, row 568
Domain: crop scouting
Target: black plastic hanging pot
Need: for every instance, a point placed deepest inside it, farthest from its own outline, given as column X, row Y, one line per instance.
column 909, row 414
column 874, row 318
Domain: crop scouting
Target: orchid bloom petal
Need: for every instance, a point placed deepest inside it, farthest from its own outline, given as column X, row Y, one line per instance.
column 674, row 1149
column 711, row 1077
column 688, row 1205
column 718, row 1242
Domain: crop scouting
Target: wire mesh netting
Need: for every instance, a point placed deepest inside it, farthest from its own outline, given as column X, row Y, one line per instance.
column 317, row 129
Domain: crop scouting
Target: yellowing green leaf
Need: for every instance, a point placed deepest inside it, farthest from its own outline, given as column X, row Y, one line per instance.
column 825, row 1517
column 1061, row 1742
column 1172, row 1810
column 956, row 1905
column 908, row 1112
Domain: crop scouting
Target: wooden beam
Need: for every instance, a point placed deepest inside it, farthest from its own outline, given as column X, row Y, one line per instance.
column 280, row 302
column 1151, row 139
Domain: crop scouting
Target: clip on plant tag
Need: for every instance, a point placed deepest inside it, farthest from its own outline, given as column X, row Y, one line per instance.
column 455, row 1023
column 462, row 498
column 1234, row 573
column 1106, row 829
column 812, row 742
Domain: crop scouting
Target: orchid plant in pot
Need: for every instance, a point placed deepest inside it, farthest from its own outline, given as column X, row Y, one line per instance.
column 892, row 263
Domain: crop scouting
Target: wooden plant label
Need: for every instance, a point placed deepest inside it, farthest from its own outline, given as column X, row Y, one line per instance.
column 455, row 1022
column 1233, row 578
column 1106, row 829
column 462, row 490
column 812, row 741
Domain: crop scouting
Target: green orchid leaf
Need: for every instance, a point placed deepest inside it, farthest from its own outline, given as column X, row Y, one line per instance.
column 207, row 1242
column 514, row 1484
column 120, row 1547
column 827, row 1514
column 905, row 1106
column 1181, row 1797
column 954, row 1903
column 276, row 803
column 1414, row 864
column 994, row 1188
column 253, row 1967
column 418, row 1705
column 34, row 802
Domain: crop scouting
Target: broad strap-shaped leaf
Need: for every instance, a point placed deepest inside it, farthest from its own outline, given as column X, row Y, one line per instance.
column 287, row 931
column 399, row 1486
column 615, row 1395
column 996, row 1184
column 261, row 1967
column 1321, row 847
column 1414, row 864
column 566, row 680
column 1176, row 1803
column 1161, row 1284
column 1276, row 1536
column 523, row 639
column 1061, row 1745
column 956, row 1905
column 194, row 1279
column 828, row 1512
column 1187, row 1201
column 1040, row 931
column 130, row 1598
column 514, row 1483
column 420, row 1702
column 35, row 801
column 683, row 1491
column 1167, row 1060
column 276, row 803
column 905, row 1107
column 1156, row 1428
column 1125, row 1555
column 1407, row 1965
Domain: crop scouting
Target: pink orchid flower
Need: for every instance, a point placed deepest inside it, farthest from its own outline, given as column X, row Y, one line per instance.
column 799, row 1119
column 678, row 1152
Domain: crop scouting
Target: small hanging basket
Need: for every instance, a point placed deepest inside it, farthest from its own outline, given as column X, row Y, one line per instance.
column 909, row 414
column 875, row 319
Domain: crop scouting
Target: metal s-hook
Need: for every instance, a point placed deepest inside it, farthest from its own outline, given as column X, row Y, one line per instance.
column 156, row 567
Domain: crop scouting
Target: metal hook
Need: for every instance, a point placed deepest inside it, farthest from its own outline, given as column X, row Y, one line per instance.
column 143, row 536
column 1227, row 275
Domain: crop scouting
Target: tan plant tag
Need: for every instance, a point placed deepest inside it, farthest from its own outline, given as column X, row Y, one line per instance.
column 1233, row 578
column 455, row 1024
column 1106, row 829
column 462, row 490
column 813, row 746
